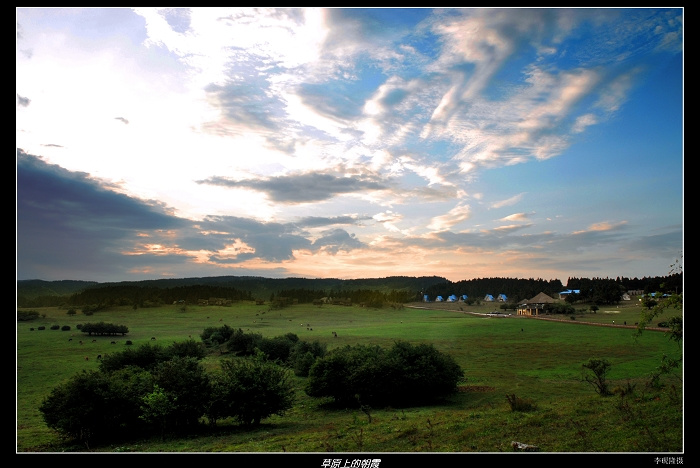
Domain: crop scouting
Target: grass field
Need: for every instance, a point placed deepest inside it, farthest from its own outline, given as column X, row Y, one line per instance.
column 533, row 359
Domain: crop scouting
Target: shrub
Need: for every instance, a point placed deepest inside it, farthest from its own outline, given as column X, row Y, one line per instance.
column 520, row 404
column 429, row 373
column 250, row 390
column 213, row 336
column 65, row 327
column 189, row 348
column 42, row 327
column 184, row 381
column 277, row 349
column 55, row 327
column 304, row 354
column 243, row 344
column 97, row 406
column 146, row 356
column 403, row 376
column 25, row 315
column 599, row 368
column 344, row 373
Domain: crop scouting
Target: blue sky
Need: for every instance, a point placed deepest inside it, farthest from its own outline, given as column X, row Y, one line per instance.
column 349, row 143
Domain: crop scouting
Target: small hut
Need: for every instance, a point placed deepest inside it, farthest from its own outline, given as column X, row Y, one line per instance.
column 535, row 306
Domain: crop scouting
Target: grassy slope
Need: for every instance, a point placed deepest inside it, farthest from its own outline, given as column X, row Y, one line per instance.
column 533, row 359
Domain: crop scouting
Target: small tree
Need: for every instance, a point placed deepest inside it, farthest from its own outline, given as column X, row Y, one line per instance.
column 157, row 407
column 304, row 354
column 250, row 390
column 187, row 384
column 599, row 368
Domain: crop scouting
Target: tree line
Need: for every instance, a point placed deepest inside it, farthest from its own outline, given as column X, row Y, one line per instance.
column 596, row 290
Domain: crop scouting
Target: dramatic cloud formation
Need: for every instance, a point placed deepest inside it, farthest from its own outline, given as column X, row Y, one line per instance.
column 348, row 142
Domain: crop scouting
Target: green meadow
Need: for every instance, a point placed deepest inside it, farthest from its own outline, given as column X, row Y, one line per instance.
column 534, row 360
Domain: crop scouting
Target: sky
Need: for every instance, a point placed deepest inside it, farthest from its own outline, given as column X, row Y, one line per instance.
column 349, row 143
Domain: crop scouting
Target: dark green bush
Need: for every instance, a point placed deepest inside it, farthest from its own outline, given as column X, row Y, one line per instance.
column 189, row 348
column 304, row 354
column 94, row 406
column 404, row 375
column 146, row 356
column 213, row 336
column 243, row 344
column 250, row 390
column 26, row 315
column 277, row 349
column 187, row 385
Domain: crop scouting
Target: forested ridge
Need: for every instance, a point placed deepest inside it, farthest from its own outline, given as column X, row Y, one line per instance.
column 39, row 293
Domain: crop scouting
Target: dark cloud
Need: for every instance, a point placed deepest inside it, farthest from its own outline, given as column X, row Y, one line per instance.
column 270, row 241
column 71, row 226
column 68, row 222
column 318, row 221
column 336, row 240
column 303, row 188
column 122, row 119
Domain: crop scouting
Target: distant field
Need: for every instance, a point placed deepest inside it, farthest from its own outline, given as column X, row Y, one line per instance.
column 533, row 358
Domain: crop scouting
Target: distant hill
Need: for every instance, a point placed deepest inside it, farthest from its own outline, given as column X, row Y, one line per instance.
column 39, row 293
column 258, row 286
column 38, row 288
